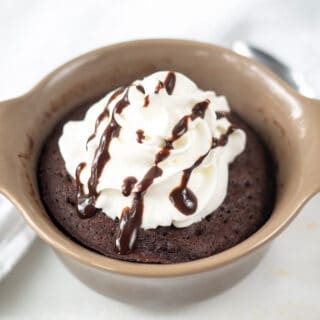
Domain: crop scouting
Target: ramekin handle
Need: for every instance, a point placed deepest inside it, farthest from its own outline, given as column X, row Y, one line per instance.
column 12, row 128
column 312, row 154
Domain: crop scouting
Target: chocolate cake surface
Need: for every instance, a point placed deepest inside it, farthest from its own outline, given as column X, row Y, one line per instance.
column 246, row 208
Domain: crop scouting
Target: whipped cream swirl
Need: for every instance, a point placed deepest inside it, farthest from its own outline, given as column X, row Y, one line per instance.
column 154, row 153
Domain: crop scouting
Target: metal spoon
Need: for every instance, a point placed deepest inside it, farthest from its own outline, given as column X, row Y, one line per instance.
column 294, row 79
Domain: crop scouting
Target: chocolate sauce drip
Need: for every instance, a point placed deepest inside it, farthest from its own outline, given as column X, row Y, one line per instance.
column 131, row 218
column 146, row 182
column 122, row 103
column 198, row 111
column 146, row 101
column 162, row 154
column 170, row 82
column 140, row 88
column 180, row 128
column 85, row 203
column 128, row 185
column 104, row 114
column 159, row 86
column 182, row 197
column 222, row 141
column 221, row 114
column 86, row 209
column 140, row 135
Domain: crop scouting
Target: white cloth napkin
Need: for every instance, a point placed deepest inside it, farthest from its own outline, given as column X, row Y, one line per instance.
column 36, row 36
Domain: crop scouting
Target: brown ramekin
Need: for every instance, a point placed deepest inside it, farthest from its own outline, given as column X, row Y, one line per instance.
column 288, row 122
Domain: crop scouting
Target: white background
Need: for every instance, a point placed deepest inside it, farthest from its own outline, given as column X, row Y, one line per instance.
column 37, row 36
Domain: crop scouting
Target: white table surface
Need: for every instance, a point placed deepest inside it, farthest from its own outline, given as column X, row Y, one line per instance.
column 37, row 36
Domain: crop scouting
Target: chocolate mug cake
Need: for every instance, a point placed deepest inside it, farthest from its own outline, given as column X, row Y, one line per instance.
column 157, row 172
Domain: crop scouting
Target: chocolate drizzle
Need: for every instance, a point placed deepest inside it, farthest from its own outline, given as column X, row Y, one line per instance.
column 170, row 82
column 128, row 185
column 182, row 197
column 104, row 114
column 198, row 111
column 159, row 86
column 84, row 206
column 86, row 202
column 140, row 88
column 146, row 182
column 146, row 101
column 140, row 135
column 220, row 114
column 223, row 140
column 131, row 218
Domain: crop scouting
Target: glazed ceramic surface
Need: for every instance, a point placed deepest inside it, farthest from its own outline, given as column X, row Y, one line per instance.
column 287, row 122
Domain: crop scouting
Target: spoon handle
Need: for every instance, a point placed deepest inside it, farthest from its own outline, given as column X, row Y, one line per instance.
column 292, row 78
